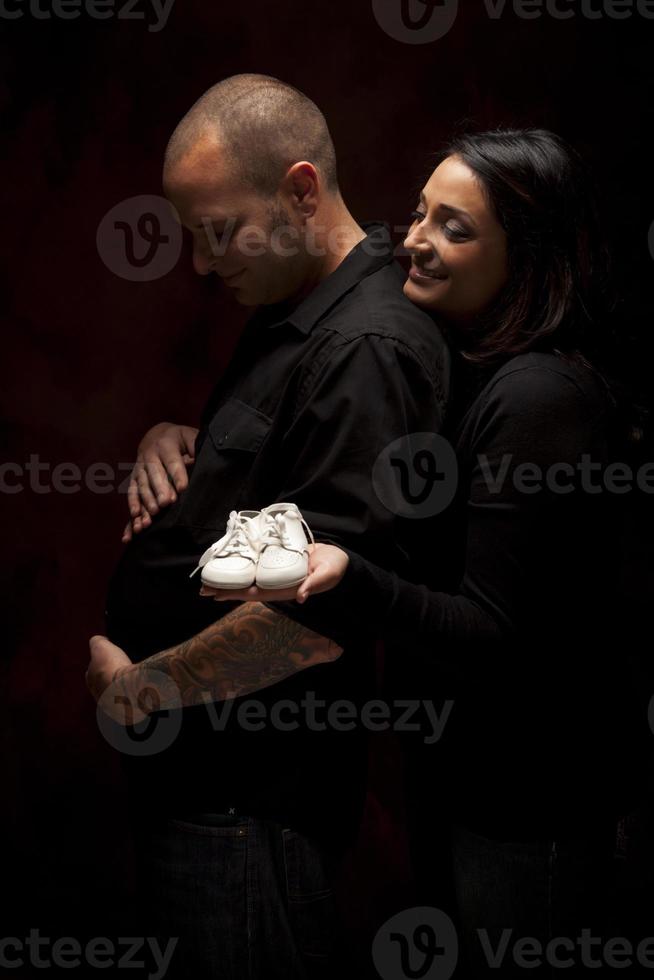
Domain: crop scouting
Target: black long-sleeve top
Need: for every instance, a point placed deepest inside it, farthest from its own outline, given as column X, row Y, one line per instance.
column 526, row 643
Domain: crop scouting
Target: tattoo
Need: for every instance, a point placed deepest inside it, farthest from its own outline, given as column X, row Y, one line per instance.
column 250, row 648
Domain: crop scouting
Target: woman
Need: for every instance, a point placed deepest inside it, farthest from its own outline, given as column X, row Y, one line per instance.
column 505, row 250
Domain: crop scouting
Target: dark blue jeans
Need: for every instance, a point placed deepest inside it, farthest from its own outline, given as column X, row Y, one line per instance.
column 543, row 890
column 248, row 898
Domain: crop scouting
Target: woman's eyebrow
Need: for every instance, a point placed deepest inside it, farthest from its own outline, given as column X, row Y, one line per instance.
column 458, row 211
column 450, row 209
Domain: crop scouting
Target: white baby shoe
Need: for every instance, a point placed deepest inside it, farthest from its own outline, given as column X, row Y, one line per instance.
column 283, row 547
column 231, row 562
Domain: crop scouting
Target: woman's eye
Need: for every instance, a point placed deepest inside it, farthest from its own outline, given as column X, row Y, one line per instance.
column 417, row 216
column 455, row 232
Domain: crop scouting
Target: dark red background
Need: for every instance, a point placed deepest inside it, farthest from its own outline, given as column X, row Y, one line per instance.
column 93, row 360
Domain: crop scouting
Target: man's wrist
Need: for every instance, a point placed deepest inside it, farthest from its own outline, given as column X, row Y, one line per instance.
column 141, row 691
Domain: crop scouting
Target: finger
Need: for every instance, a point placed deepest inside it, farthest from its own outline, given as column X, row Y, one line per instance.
column 141, row 522
column 98, row 647
column 158, row 480
column 188, row 439
column 319, row 579
column 148, row 502
column 133, row 499
column 127, row 533
column 175, row 469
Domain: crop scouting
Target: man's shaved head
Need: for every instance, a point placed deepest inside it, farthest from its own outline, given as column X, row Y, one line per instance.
column 263, row 125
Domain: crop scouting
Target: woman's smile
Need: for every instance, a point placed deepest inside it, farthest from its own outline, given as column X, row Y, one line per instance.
column 420, row 274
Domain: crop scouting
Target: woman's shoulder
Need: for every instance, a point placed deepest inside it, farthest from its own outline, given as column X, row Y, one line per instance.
column 539, row 378
column 540, row 399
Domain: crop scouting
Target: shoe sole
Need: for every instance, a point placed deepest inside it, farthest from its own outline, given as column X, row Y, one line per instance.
column 284, row 585
column 225, row 585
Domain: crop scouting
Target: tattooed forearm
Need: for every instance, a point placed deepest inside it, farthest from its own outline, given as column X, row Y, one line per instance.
column 250, row 648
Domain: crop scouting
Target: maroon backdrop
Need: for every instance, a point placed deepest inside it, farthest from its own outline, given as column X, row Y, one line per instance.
column 93, row 359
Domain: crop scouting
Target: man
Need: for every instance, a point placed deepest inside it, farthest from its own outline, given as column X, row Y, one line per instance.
column 235, row 823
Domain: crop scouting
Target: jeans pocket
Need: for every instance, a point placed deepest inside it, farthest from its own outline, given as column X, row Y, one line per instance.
column 311, row 908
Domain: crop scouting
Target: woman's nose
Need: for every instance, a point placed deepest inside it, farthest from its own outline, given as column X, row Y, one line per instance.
column 416, row 244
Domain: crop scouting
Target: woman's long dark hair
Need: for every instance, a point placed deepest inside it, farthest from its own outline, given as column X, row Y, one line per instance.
column 559, row 296
column 542, row 196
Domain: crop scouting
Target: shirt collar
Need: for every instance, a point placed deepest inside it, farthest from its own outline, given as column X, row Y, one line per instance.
column 371, row 254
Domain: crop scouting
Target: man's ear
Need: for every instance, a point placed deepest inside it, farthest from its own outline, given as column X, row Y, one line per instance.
column 301, row 188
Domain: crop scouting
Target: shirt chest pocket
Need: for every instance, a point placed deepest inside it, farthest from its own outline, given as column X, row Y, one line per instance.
column 223, row 464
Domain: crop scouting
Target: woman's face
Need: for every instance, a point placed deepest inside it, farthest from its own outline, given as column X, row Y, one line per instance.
column 458, row 247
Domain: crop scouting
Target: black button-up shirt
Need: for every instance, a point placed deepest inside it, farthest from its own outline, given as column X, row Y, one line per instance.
column 309, row 400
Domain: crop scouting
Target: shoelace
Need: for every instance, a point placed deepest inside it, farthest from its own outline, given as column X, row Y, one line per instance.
column 275, row 532
column 236, row 541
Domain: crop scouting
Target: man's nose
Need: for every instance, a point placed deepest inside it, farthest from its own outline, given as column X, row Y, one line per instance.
column 202, row 259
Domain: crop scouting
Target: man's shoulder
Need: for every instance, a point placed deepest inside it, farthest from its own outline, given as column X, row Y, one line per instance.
column 377, row 307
